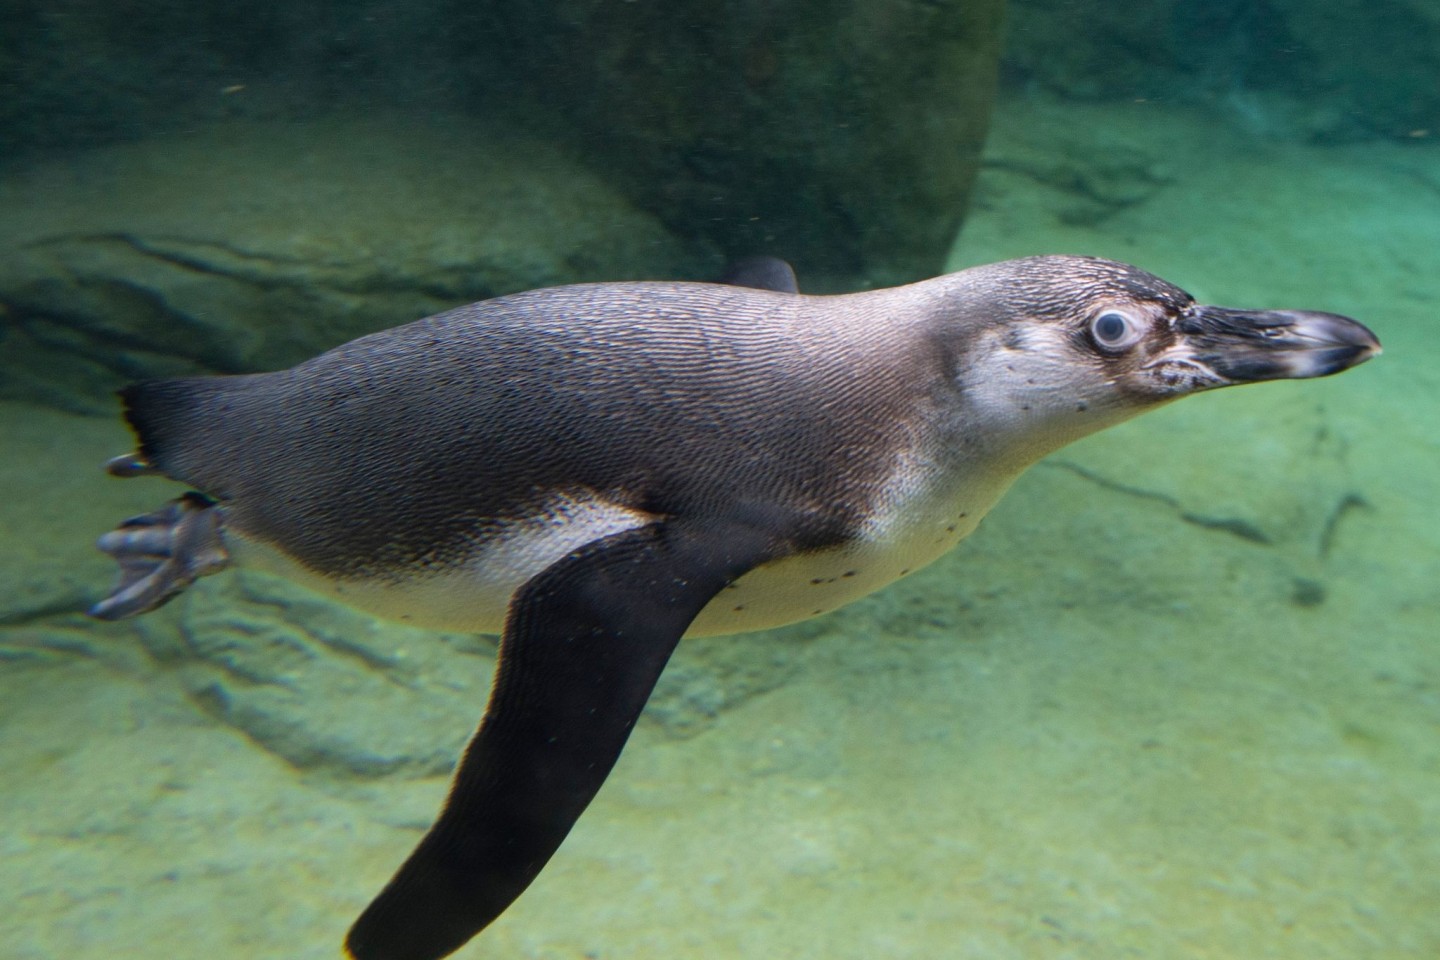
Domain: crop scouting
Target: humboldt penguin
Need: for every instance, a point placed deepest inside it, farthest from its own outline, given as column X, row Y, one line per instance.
column 595, row 471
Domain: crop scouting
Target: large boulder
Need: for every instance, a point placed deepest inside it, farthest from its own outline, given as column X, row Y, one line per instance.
column 843, row 136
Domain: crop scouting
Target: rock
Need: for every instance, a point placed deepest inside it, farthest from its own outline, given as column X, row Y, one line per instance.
column 1048, row 163
column 333, row 690
column 841, row 135
column 1362, row 64
column 1287, row 68
column 57, row 501
column 253, row 246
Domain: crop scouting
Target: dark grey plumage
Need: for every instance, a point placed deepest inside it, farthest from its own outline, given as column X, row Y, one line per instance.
column 666, row 398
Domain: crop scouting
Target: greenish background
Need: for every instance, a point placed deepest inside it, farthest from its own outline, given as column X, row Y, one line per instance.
column 1107, row 726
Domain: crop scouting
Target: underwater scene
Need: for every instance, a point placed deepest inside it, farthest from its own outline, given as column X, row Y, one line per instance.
column 1177, row 696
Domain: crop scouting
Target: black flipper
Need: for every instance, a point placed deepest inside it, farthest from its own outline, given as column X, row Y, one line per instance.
column 585, row 641
column 762, row 273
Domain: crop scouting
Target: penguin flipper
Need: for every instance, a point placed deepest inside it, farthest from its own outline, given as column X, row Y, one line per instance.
column 584, row 643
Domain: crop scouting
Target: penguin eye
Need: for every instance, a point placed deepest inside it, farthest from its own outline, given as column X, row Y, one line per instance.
column 1114, row 332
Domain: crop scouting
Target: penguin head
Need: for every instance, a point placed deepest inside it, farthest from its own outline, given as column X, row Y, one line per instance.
column 1063, row 346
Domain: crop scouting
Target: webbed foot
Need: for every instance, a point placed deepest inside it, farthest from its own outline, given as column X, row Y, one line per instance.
column 160, row 554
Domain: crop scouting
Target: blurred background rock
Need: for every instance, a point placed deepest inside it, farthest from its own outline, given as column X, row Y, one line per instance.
column 218, row 187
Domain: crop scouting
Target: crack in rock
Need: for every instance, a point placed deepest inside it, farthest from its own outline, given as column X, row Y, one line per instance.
column 1235, row 526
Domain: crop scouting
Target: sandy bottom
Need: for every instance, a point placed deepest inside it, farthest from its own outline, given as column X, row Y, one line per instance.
column 1098, row 730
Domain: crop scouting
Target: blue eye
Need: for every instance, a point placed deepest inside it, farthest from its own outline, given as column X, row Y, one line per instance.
column 1114, row 331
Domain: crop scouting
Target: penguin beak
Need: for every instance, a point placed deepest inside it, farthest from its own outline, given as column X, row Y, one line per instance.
column 1245, row 346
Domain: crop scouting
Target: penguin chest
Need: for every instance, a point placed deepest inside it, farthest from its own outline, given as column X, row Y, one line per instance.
column 917, row 525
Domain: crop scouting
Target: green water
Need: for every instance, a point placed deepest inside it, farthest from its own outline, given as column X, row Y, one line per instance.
column 1104, row 727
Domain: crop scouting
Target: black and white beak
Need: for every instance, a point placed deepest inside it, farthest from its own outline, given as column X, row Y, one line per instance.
column 1245, row 346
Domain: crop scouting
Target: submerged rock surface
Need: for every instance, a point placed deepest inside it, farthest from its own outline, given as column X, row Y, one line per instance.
column 1333, row 71
column 253, row 246
column 841, row 135
column 333, row 690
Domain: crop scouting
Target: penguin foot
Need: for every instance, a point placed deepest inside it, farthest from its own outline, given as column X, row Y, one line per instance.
column 160, row 554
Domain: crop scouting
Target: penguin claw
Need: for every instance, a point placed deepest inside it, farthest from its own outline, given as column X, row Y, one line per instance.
column 160, row 554
column 130, row 465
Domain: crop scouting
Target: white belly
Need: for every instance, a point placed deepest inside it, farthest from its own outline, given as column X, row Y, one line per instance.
column 473, row 596
column 807, row 585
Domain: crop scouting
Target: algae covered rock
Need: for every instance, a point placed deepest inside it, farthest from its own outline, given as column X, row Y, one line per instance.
column 254, row 246
column 333, row 690
column 843, row 136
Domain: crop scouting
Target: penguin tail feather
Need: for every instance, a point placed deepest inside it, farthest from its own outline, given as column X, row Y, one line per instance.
column 162, row 414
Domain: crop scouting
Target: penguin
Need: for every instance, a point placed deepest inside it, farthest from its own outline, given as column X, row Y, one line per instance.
column 595, row 471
